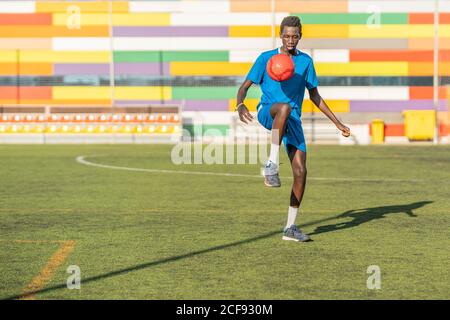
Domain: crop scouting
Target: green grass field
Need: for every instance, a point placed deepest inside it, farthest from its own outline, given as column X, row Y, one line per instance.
column 160, row 235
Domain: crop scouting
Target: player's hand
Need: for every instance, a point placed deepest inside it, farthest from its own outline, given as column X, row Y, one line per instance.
column 345, row 130
column 244, row 114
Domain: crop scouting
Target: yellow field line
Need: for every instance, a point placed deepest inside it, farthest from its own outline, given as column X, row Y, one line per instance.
column 38, row 283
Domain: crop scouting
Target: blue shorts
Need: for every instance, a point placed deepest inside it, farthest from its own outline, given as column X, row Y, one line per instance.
column 293, row 134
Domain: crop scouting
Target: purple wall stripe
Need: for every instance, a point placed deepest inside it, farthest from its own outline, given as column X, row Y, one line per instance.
column 190, row 105
column 81, row 68
column 170, row 31
column 121, row 68
column 395, row 106
column 206, row 105
column 141, row 68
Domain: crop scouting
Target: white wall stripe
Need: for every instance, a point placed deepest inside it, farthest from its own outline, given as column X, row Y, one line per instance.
column 81, row 44
column 209, row 117
column 331, row 55
column 179, row 6
column 409, row 6
column 225, row 19
column 363, row 93
column 17, row 7
column 244, row 55
column 154, row 6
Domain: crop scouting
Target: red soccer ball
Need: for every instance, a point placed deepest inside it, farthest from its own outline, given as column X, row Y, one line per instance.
column 280, row 67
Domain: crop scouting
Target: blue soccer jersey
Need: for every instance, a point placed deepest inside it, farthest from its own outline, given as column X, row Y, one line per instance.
column 290, row 91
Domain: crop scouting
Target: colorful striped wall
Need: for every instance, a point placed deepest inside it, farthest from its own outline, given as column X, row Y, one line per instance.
column 371, row 56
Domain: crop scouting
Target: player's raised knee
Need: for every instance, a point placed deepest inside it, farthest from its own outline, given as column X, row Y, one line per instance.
column 285, row 109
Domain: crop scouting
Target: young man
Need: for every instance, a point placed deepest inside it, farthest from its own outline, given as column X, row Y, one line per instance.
column 280, row 110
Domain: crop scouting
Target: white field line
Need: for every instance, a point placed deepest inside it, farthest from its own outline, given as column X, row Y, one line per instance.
column 82, row 160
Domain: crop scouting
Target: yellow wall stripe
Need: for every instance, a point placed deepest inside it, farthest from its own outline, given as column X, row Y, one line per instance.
column 249, row 103
column 309, row 31
column 251, row 31
column 118, row 19
column 95, row 93
column 139, row 93
column 334, row 105
column 141, row 19
column 308, row 106
column 99, row 6
column 8, row 56
column 65, row 56
column 325, row 31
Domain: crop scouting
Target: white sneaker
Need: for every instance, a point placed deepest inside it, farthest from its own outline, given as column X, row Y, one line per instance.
column 271, row 178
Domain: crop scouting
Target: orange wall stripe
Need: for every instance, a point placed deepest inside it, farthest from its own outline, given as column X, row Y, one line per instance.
column 40, row 102
column 425, row 93
column 428, row 18
column 35, row 93
column 41, row 69
column 311, row 6
column 398, row 130
column 390, row 55
column 53, row 31
column 250, row 6
column 394, row 130
column 426, row 44
column 25, row 19
column 427, row 69
column 303, row 6
column 7, row 93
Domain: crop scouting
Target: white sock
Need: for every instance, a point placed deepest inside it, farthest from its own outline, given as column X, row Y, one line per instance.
column 292, row 214
column 274, row 148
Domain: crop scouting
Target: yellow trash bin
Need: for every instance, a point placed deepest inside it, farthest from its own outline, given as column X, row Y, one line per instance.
column 377, row 131
column 420, row 124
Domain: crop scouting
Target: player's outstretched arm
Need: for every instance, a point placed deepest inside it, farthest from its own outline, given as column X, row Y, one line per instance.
column 241, row 108
column 321, row 104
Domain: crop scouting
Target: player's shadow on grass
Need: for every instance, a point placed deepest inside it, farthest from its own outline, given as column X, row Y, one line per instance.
column 361, row 216
column 150, row 264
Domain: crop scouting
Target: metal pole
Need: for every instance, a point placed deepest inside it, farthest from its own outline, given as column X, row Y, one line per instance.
column 436, row 70
column 111, row 62
column 18, row 76
column 161, row 76
column 274, row 41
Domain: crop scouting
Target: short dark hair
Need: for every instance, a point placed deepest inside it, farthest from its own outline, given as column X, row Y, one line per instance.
column 291, row 21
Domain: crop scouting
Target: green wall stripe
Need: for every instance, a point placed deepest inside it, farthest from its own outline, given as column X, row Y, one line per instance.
column 196, row 56
column 212, row 93
column 350, row 18
column 196, row 129
column 168, row 56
